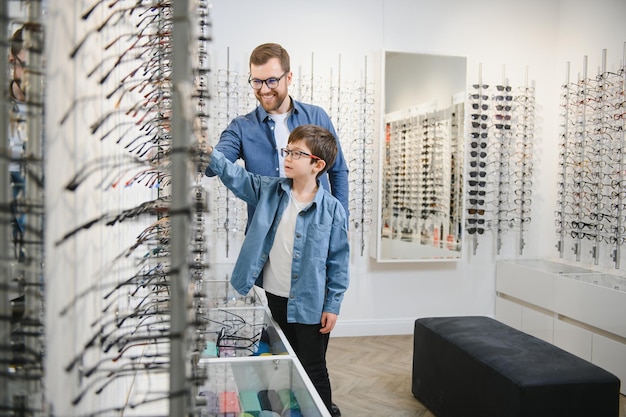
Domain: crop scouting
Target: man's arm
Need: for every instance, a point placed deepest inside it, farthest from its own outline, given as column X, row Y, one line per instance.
column 338, row 178
column 338, row 173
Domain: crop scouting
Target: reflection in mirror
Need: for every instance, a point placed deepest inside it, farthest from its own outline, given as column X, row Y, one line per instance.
column 421, row 194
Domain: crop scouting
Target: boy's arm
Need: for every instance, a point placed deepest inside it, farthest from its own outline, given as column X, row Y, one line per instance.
column 229, row 144
column 328, row 322
column 243, row 184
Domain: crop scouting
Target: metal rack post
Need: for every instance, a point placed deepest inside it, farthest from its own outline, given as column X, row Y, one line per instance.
column 180, row 215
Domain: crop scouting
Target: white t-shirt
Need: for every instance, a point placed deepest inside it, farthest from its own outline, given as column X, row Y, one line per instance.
column 277, row 269
column 281, row 135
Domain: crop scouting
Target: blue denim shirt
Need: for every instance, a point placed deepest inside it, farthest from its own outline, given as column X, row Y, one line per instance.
column 321, row 250
column 251, row 138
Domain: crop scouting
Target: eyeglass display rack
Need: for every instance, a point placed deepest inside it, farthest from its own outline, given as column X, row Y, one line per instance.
column 360, row 154
column 22, row 287
column 500, row 161
column 132, row 320
column 350, row 105
column 420, row 202
column 591, row 198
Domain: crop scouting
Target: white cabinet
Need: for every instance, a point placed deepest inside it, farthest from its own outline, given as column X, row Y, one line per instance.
column 579, row 310
column 594, row 299
column 611, row 355
column 573, row 338
column 538, row 324
column 509, row 313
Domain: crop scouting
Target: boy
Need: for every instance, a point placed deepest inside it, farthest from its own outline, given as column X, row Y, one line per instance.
column 296, row 246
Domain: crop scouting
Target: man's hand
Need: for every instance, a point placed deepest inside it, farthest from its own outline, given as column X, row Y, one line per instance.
column 328, row 322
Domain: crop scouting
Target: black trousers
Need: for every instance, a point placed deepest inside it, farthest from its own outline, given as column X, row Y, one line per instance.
column 309, row 345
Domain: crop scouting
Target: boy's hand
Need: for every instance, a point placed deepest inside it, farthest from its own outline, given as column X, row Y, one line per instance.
column 328, row 322
column 204, row 148
column 203, row 152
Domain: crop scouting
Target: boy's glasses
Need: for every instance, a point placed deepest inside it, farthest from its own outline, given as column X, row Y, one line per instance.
column 270, row 82
column 284, row 152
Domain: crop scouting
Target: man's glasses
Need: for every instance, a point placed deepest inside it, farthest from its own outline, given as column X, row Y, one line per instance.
column 270, row 82
column 284, row 152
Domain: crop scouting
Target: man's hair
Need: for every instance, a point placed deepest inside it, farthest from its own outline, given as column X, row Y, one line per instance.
column 267, row 51
column 17, row 41
column 319, row 140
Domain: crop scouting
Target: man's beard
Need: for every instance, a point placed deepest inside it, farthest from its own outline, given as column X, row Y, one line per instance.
column 279, row 102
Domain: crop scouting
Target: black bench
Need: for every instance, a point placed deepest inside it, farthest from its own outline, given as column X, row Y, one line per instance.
column 479, row 367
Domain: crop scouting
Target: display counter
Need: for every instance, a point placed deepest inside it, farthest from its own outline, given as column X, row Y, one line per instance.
column 249, row 364
column 578, row 309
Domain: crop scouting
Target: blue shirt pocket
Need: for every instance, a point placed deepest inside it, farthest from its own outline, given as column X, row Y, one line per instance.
column 318, row 241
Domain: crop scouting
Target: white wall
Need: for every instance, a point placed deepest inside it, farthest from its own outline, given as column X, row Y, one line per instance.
column 500, row 38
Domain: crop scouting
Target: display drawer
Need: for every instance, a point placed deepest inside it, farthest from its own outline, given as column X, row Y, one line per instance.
column 610, row 354
column 509, row 313
column 526, row 282
column 598, row 300
column 538, row 324
column 249, row 385
column 573, row 339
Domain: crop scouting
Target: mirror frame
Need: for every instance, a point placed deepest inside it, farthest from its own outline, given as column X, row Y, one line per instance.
column 425, row 76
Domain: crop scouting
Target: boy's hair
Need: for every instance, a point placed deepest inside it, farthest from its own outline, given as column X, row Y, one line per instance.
column 319, row 140
column 267, row 51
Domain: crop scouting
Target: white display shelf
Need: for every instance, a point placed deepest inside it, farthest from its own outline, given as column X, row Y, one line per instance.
column 550, row 266
column 578, row 309
column 242, row 385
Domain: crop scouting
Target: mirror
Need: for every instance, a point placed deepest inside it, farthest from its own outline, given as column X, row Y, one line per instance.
column 421, row 158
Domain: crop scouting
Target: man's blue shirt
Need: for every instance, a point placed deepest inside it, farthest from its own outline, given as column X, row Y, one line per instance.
column 251, row 138
column 321, row 250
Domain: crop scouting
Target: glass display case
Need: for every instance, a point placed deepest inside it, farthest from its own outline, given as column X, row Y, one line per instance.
column 241, row 331
column 246, row 386
column 250, row 367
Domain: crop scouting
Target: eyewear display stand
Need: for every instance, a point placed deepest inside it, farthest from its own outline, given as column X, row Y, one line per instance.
column 591, row 200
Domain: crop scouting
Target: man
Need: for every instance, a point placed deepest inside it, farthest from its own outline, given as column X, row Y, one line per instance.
column 257, row 137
